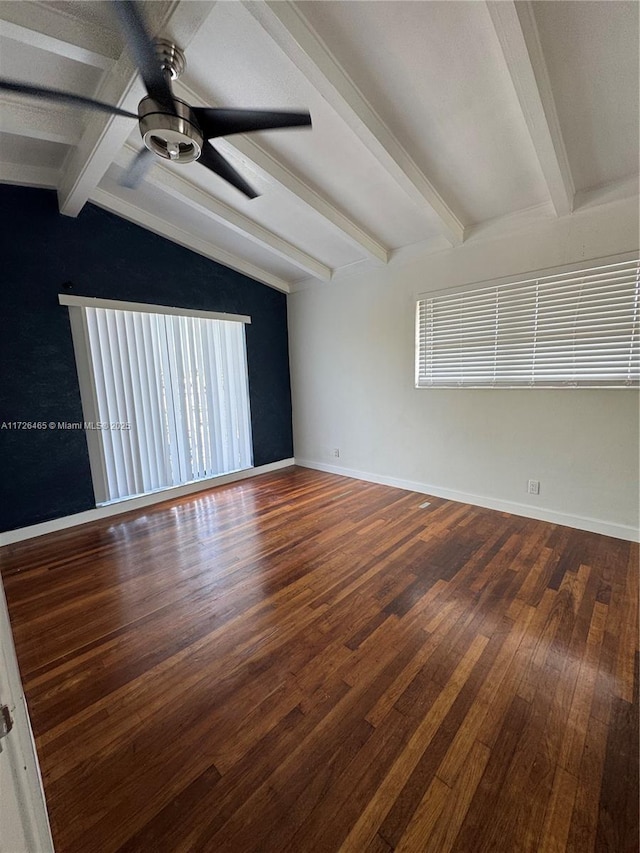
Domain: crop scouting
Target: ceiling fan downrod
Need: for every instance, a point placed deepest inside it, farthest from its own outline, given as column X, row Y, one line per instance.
column 172, row 59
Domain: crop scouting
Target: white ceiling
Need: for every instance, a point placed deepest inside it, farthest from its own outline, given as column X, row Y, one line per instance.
column 431, row 120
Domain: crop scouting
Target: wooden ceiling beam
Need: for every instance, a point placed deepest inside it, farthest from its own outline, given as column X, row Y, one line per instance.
column 184, row 191
column 36, row 120
column 517, row 32
column 115, row 204
column 285, row 23
column 51, row 30
column 251, row 151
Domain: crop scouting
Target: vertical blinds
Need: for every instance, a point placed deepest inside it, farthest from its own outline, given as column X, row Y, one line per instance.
column 180, row 382
column 573, row 329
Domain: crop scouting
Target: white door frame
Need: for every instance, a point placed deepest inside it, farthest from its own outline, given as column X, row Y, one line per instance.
column 24, row 824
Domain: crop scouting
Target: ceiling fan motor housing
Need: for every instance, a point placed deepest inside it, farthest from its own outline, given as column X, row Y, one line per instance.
column 173, row 136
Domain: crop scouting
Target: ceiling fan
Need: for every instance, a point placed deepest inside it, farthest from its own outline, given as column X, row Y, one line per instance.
column 171, row 128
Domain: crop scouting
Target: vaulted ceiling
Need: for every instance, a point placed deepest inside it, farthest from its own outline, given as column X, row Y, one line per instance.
column 433, row 122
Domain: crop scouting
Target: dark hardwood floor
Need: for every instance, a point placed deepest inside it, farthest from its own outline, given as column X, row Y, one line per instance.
column 303, row 662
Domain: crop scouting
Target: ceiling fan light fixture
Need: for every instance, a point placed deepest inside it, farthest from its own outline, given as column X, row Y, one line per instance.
column 169, row 127
column 174, row 137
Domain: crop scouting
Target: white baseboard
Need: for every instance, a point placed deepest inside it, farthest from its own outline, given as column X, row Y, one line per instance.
column 593, row 525
column 120, row 507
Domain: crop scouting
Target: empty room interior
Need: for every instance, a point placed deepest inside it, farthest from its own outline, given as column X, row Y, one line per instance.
column 319, row 509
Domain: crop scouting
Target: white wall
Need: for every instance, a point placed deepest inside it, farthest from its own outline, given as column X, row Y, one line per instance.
column 352, row 363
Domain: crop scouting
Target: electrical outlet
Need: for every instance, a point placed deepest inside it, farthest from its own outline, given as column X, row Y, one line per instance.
column 533, row 487
column 336, row 452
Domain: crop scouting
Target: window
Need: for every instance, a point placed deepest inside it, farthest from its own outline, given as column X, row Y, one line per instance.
column 576, row 329
column 164, row 394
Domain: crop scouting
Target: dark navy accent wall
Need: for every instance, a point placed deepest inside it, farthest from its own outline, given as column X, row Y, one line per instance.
column 45, row 473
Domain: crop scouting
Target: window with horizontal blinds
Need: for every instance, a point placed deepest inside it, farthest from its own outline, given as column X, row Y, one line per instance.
column 575, row 329
column 166, row 397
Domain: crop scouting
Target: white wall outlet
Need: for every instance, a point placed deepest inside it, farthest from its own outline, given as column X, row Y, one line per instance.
column 336, row 452
column 533, row 487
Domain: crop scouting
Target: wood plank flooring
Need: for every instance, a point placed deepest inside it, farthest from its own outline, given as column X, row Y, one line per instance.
column 303, row 662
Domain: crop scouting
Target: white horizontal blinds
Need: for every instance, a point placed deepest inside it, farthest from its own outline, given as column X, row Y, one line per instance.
column 181, row 383
column 572, row 329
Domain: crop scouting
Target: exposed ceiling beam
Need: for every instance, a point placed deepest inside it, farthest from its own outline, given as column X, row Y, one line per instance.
column 249, row 150
column 615, row 191
column 51, row 123
column 286, row 25
column 50, row 29
column 105, row 136
column 154, row 223
column 28, row 176
column 519, row 39
column 180, row 188
column 102, row 139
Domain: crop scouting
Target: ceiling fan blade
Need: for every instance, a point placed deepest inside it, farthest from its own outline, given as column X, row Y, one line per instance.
column 138, row 168
column 223, row 122
column 62, row 97
column 213, row 160
column 143, row 52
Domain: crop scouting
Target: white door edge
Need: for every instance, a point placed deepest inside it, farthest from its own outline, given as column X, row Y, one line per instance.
column 24, row 823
